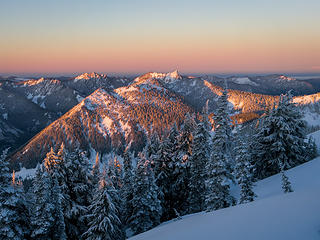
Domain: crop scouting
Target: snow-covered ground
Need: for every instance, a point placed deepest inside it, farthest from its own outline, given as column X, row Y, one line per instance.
column 274, row 215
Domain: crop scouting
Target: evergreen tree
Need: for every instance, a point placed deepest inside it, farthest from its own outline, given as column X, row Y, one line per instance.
column 152, row 147
column 127, row 189
column 115, row 177
column 219, row 167
column 104, row 222
column 115, row 172
column 76, row 166
column 280, row 137
column 14, row 217
column 164, row 173
column 217, row 184
column 47, row 219
column 223, row 137
column 311, row 151
column 96, row 171
column 181, row 166
column 201, row 151
column 244, row 172
column 71, row 171
column 286, row 185
column 147, row 207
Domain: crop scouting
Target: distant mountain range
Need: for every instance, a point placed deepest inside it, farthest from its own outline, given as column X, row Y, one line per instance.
column 103, row 114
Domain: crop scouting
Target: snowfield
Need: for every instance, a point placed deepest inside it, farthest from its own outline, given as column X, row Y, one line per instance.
column 274, row 215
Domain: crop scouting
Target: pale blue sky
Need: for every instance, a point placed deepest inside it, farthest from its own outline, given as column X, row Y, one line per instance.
column 56, row 30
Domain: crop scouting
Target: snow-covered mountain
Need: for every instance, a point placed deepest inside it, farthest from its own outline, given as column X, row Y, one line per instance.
column 107, row 120
column 110, row 118
column 87, row 83
column 274, row 215
column 274, row 84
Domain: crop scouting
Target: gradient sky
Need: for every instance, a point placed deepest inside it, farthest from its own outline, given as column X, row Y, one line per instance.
column 202, row 36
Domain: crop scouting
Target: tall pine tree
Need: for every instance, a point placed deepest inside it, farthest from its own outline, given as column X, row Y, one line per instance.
column 219, row 168
column 201, row 150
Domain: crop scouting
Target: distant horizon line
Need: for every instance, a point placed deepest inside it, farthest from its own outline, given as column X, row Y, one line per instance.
column 71, row 74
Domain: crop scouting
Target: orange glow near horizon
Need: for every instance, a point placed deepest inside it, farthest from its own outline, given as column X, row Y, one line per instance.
column 227, row 41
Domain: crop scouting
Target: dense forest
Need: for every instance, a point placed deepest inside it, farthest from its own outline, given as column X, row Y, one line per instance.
column 182, row 170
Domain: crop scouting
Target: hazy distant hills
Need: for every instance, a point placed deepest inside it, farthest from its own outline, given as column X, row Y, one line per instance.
column 101, row 113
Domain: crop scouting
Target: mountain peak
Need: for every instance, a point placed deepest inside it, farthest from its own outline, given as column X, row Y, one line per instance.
column 167, row 77
column 88, row 76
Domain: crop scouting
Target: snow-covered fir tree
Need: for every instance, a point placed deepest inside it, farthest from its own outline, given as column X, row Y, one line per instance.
column 77, row 166
column 181, row 167
column 217, row 184
column 127, row 188
column 280, row 137
column 147, row 208
column 115, row 176
column 223, row 137
column 219, row 167
column 115, row 172
column 244, row 171
column 201, row 150
column 164, row 173
column 152, row 147
column 96, row 171
column 73, row 175
column 286, row 185
column 14, row 218
column 47, row 217
column 103, row 220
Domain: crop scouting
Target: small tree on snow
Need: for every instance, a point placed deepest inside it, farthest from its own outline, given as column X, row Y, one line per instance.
column 286, row 185
column 244, row 172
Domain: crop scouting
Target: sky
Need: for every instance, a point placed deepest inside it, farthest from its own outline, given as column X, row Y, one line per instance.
column 136, row 36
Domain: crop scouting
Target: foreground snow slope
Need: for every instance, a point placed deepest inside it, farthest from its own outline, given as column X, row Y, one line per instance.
column 274, row 215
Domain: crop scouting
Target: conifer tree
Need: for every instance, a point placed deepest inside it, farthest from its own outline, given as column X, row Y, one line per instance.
column 164, row 173
column 201, row 150
column 181, row 167
column 95, row 175
column 76, row 166
column 219, row 167
column 152, row 147
column 223, row 137
column 102, row 216
column 127, row 189
column 71, row 171
column 14, row 217
column 286, row 185
column 217, row 184
column 147, row 208
column 280, row 137
column 47, row 218
column 244, row 172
